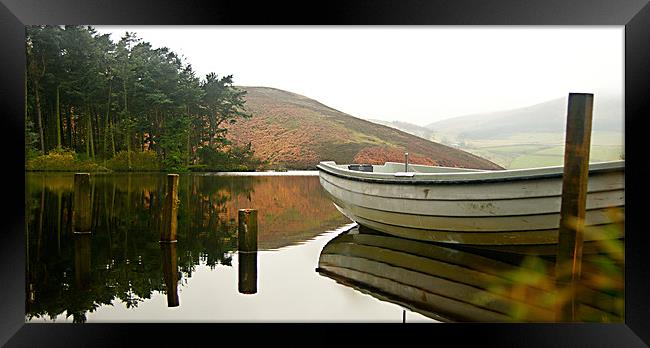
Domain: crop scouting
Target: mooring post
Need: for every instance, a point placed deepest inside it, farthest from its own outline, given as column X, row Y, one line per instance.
column 247, row 230
column 406, row 161
column 574, row 200
column 247, row 272
column 81, row 209
column 170, row 218
column 170, row 272
column 247, row 246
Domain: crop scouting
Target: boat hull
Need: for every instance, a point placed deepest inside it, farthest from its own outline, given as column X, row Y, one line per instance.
column 476, row 211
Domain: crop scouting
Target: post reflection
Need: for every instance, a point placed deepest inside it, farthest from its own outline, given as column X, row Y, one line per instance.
column 247, row 273
column 82, row 244
column 170, row 272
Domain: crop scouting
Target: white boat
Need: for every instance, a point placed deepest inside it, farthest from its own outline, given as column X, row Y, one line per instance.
column 470, row 206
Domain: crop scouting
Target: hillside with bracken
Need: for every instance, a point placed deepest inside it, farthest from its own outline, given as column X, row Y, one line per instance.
column 295, row 132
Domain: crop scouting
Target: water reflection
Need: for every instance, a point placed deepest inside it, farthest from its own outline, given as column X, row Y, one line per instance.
column 82, row 260
column 170, row 272
column 121, row 258
column 476, row 284
column 247, row 273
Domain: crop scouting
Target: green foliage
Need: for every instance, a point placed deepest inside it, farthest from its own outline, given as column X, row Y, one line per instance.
column 97, row 97
column 236, row 158
column 60, row 159
column 173, row 145
column 140, row 161
column 223, row 104
column 598, row 293
column 31, row 140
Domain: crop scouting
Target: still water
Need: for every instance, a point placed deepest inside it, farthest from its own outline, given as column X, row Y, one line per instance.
column 313, row 264
column 455, row 283
column 121, row 273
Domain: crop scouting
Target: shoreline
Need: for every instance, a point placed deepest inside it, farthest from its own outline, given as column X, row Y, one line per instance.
column 260, row 173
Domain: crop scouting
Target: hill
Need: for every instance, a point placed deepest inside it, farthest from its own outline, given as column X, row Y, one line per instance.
column 293, row 131
column 533, row 136
column 410, row 128
column 545, row 117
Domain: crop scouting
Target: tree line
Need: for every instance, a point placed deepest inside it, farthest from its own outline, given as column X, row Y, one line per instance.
column 100, row 98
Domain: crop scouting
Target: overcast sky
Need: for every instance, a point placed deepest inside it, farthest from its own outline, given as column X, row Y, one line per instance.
column 413, row 74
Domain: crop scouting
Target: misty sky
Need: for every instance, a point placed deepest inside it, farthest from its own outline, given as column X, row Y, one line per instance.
column 414, row 74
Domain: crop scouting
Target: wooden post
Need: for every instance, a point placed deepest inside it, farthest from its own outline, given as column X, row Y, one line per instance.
column 406, row 161
column 81, row 209
column 247, row 272
column 247, row 245
column 82, row 260
column 170, row 272
column 169, row 217
column 574, row 200
column 247, row 230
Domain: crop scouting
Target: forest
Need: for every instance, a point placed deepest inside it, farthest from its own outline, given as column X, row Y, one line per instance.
column 95, row 105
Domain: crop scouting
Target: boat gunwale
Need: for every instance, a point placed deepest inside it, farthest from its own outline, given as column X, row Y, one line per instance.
column 470, row 177
column 463, row 199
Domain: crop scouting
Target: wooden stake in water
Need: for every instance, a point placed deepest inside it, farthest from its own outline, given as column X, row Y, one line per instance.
column 170, row 272
column 247, row 245
column 247, row 230
column 574, row 200
column 169, row 217
column 81, row 209
column 406, row 161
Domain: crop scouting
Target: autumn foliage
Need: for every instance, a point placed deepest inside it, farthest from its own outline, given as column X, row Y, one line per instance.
column 295, row 132
column 381, row 155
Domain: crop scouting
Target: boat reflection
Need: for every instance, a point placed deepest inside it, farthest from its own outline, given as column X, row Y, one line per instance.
column 475, row 284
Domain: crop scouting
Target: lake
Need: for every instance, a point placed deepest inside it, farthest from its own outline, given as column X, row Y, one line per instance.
column 117, row 273
column 312, row 264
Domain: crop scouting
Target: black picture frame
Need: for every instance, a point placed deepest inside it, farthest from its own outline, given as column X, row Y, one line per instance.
column 633, row 14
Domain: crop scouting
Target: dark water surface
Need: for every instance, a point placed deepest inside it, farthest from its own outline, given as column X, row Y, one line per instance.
column 312, row 264
column 121, row 273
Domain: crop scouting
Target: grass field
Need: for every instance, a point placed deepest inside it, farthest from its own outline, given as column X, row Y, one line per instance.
column 540, row 155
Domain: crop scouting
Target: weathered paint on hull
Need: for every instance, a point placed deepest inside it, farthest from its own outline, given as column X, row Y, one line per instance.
column 510, row 212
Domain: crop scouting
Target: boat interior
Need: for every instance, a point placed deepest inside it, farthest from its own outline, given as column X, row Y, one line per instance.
column 396, row 169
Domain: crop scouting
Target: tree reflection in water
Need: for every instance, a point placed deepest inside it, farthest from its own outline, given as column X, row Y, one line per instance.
column 122, row 259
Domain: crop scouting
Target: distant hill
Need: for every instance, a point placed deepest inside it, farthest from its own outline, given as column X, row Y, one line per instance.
column 410, row 128
column 546, row 117
column 296, row 132
column 533, row 136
